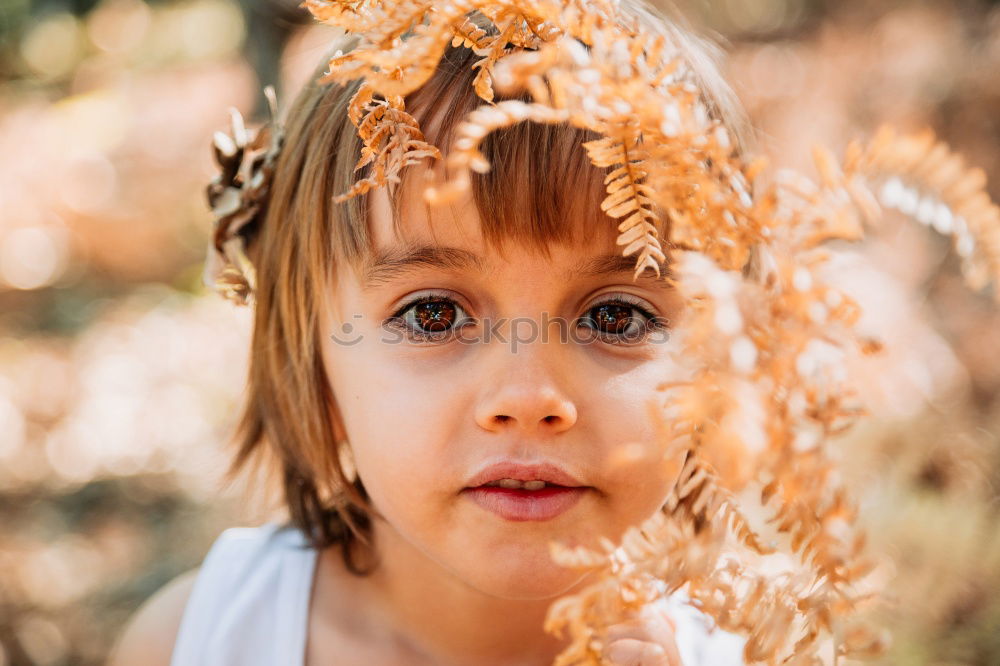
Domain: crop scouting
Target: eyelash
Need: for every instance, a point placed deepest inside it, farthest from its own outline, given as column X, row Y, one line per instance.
column 398, row 321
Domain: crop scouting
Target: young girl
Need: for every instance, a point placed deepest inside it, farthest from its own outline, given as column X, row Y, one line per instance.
column 442, row 392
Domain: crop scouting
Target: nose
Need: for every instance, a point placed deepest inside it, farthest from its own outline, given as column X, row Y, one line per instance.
column 529, row 395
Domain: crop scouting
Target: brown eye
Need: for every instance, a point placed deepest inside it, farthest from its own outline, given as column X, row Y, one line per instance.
column 618, row 320
column 435, row 316
column 613, row 319
column 429, row 318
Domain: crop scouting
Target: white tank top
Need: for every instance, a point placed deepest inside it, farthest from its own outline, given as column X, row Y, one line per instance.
column 250, row 607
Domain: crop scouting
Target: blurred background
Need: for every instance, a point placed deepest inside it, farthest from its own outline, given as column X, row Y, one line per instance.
column 119, row 375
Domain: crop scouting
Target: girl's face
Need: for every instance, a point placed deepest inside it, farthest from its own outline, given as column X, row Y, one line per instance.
column 539, row 367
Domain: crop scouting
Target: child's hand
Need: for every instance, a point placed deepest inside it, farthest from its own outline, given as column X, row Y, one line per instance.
column 647, row 640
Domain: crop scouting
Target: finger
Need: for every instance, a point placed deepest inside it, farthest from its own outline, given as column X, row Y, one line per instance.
column 633, row 652
column 627, row 629
column 653, row 624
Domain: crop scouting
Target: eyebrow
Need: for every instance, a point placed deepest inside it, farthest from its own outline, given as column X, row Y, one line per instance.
column 392, row 263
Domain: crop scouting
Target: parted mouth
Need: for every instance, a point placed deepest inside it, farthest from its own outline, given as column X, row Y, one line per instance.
column 514, row 484
column 529, row 476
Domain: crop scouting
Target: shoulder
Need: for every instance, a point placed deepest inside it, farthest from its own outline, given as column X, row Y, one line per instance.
column 149, row 636
column 183, row 611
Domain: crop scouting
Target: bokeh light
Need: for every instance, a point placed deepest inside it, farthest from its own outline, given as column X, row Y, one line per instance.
column 119, row 26
column 52, row 47
column 33, row 257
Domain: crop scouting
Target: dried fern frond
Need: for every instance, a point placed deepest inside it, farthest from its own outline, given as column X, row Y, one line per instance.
column 924, row 179
column 491, row 51
column 465, row 156
column 700, row 497
column 628, row 194
column 469, row 35
column 392, row 140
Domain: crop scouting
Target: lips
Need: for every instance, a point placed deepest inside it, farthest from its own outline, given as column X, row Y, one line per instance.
column 548, row 472
column 515, row 505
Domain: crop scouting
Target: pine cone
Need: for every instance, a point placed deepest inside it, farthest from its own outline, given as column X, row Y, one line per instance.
column 237, row 196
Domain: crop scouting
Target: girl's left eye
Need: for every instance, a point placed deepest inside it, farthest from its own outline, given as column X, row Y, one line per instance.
column 614, row 321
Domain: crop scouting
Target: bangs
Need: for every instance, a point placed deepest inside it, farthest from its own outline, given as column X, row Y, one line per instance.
column 541, row 188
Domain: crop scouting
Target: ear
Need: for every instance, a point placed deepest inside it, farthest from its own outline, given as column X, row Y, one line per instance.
column 336, row 419
column 346, row 456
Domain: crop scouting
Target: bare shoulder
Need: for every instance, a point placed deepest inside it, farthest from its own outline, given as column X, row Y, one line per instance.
column 149, row 636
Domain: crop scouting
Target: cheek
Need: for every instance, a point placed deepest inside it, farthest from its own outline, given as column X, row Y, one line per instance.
column 399, row 431
column 638, row 460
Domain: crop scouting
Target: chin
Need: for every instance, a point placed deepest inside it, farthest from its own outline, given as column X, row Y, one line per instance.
column 521, row 576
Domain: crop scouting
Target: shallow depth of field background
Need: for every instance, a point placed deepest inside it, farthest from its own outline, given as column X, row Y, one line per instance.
column 119, row 375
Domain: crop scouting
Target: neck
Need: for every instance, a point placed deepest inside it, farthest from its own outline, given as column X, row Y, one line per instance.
column 433, row 617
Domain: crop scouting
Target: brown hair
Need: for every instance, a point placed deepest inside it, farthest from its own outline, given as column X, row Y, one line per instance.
column 290, row 414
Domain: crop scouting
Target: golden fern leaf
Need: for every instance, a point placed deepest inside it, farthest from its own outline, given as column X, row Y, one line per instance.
column 535, row 31
column 628, row 194
column 359, row 101
column 699, row 183
column 392, row 140
column 328, row 10
column 354, row 16
column 469, row 35
column 519, row 30
column 699, row 494
column 398, row 18
column 924, row 179
column 464, row 154
column 530, row 70
column 400, row 46
column 494, row 49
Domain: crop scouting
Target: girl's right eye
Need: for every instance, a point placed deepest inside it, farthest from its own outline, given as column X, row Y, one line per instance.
column 428, row 318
